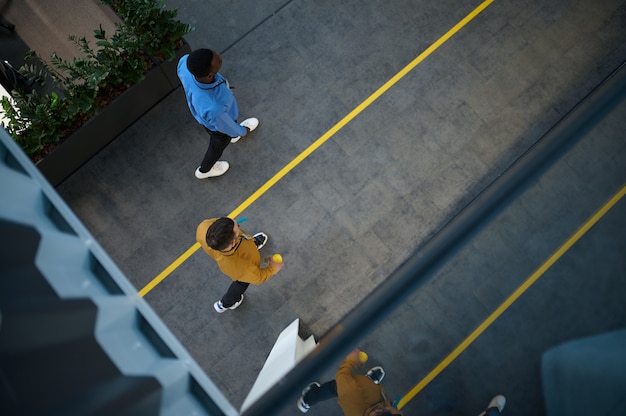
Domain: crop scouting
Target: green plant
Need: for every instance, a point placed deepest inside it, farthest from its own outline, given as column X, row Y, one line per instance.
column 155, row 27
column 86, row 84
column 89, row 82
column 34, row 120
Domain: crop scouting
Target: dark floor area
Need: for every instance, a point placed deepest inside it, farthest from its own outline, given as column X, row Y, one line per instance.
column 381, row 187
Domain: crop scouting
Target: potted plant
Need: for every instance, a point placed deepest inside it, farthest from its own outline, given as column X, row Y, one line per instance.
column 100, row 93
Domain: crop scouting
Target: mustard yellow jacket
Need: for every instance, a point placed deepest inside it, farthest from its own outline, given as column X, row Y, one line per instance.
column 357, row 394
column 242, row 263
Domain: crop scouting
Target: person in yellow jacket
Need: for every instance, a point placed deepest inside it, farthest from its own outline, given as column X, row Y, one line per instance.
column 357, row 394
column 237, row 255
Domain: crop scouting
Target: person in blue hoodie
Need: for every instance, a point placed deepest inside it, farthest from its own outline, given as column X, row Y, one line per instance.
column 213, row 105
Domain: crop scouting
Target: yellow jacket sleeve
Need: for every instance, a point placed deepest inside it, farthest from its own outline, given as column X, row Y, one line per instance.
column 357, row 393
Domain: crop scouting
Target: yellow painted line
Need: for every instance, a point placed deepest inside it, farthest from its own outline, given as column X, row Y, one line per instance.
column 316, row 144
column 511, row 299
column 169, row 270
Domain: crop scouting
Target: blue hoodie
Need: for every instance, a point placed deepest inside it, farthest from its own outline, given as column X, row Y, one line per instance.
column 213, row 105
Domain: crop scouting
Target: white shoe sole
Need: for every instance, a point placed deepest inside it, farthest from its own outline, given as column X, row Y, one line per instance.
column 236, row 305
column 251, row 123
column 222, row 168
column 266, row 239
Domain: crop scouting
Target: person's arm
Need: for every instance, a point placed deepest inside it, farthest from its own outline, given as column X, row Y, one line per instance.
column 345, row 373
column 256, row 275
column 225, row 124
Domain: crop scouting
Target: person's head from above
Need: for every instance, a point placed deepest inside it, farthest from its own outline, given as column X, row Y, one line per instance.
column 204, row 64
column 223, row 234
column 385, row 411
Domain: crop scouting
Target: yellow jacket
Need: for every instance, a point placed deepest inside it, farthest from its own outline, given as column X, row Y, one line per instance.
column 357, row 394
column 242, row 263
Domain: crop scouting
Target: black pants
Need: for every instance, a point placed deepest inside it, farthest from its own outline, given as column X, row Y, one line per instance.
column 233, row 295
column 327, row 391
column 217, row 144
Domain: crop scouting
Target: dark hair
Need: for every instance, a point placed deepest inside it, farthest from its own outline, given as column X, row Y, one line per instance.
column 220, row 234
column 199, row 62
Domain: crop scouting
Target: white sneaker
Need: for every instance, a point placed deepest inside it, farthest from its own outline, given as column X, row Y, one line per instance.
column 219, row 308
column 302, row 405
column 251, row 123
column 376, row 374
column 219, row 168
column 260, row 239
column 498, row 402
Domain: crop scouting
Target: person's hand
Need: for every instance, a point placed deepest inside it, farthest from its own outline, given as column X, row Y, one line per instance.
column 354, row 355
column 278, row 266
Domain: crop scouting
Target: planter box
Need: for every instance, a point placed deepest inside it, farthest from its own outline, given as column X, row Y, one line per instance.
column 107, row 124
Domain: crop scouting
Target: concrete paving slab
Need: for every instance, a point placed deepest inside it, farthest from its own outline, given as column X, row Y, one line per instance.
column 355, row 209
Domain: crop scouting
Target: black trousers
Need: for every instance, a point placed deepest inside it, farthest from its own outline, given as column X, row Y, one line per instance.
column 217, row 144
column 233, row 295
column 326, row 391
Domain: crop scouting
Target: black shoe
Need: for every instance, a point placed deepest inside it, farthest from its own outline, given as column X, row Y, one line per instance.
column 260, row 239
column 376, row 374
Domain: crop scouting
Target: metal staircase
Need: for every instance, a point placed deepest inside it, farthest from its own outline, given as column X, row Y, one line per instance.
column 75, row 338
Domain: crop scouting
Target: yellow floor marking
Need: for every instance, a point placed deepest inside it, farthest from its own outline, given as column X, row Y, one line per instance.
column 295, row 162
column 511, row 299
column 169, row 269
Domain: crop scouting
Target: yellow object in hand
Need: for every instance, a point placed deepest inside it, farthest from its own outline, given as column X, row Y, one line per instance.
column 363, row 356
column 277, row 258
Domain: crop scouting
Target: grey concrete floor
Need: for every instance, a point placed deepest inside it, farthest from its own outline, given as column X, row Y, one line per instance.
column 364, row 201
